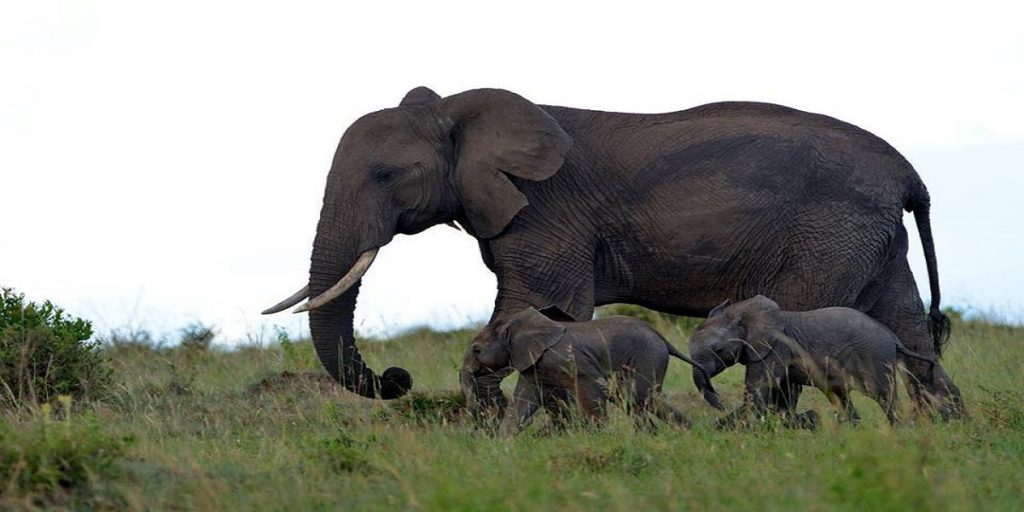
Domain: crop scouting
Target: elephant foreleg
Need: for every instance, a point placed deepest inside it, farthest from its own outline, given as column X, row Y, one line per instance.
column 784, row 399
column 526, row 399
column 558, row 402
column 840, row 399
column 760, row 392
column 593, row 401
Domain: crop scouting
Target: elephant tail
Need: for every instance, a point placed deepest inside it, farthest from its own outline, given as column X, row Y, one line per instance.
column 910, row 353
column 701, row 375
column 674, row 352
column 938, row 323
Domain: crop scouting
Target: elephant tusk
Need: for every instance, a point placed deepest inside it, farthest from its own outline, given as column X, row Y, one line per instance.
column 354, row 274
column 296, row 298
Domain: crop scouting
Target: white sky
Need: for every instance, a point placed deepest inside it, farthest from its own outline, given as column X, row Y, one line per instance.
column 162, row 163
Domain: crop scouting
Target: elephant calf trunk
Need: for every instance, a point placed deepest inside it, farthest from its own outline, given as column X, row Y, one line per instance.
column 484, row 397
column 702, row 380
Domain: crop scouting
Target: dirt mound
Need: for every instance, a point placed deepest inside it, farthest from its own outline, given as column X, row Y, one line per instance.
column 419, row 406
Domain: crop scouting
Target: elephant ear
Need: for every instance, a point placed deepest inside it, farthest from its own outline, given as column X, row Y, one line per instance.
column 761, row 319
column 720, row 309
column 557, row 314
column 499, row 133
column 759, row 345
column 419, row 96
column 530, row 335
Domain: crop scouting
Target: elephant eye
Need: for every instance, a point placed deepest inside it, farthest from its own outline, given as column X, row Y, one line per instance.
column 386, row 174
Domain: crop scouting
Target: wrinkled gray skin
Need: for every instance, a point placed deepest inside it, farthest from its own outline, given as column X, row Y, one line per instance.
column 577, row 360
column 834, row 349
column 579, row 208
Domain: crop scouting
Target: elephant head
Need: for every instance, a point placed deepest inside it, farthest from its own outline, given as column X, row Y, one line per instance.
column 430, row 160
column 745, row 332
column 518, row 342
column 504, row 345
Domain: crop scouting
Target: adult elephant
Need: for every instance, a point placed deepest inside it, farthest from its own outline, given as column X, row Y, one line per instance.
column 578, row 208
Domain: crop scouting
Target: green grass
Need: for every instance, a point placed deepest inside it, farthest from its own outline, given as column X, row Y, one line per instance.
column 264, row 429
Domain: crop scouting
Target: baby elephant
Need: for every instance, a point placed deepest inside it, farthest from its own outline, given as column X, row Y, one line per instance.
column 834, row 349
column 557, row 358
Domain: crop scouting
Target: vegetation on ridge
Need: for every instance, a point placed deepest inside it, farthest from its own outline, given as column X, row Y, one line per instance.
column 263, row 427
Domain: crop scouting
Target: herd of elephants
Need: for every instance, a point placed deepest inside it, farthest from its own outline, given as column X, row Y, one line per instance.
column 794, row 219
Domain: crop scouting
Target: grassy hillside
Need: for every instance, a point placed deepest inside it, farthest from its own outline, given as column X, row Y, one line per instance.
column 264, row 429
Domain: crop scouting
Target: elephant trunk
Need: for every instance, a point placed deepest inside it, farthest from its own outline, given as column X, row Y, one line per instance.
column 702, row 375
column 331, row 325
column 482, row 389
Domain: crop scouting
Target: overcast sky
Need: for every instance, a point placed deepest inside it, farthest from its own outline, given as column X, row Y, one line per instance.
column 164, row 162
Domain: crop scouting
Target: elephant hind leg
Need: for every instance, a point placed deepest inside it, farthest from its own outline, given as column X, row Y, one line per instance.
column 636, row 394
column 893, row 300
column 885, row 391
column 890, row 404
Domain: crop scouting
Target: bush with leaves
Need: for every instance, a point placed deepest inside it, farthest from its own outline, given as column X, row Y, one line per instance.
column 45, row 352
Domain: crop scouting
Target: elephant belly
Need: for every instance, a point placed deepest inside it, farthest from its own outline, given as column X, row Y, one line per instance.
column 692, row 262
column 758, row 215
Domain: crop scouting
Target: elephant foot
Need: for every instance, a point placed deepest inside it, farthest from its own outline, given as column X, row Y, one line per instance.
column 950, row 404
column 947, row 408
column 743, row 417
column 807, row 420
column 488, row 418
column 953, row 410
column 939, row 398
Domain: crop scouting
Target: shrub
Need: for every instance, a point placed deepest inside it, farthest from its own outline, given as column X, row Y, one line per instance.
column 289, row 353
column 197, row 337
column 44, row 458
column 45, row 352
column 130, row 338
